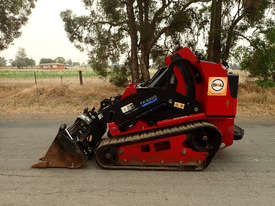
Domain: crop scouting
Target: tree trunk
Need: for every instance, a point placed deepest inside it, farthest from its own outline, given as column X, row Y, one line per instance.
column 134, row 61
column 144, row 64
column 228, row 46
column 214, row 41
column 230, row 37
column 144, row 31
column 134, row 40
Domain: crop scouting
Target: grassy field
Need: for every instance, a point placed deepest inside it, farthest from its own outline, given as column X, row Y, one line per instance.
column 12, row 73
column 53, row 97
column 255, row 101
column 20, row 95
column 50, row 96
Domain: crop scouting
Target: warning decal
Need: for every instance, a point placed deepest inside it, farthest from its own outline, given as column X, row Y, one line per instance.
column 217, row 86
column 127, row 108
column 179, row 105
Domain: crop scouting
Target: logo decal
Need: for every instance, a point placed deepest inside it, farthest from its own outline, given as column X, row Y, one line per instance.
column 149, row 101
column 217, row 86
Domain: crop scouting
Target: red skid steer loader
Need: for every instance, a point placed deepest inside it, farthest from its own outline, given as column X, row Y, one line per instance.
column 177, row 120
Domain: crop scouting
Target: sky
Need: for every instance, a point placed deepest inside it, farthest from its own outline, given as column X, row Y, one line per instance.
column 44, row 36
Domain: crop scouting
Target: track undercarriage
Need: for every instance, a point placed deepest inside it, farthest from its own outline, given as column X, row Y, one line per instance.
column 189, row 146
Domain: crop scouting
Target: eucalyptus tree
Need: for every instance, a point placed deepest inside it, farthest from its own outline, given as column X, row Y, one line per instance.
column 13, row 14
column 230, row 20
column 131, row 29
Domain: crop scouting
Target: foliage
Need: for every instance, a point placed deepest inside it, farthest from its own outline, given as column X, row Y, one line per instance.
column 46, row 61
column 13, row 14
column 259, row 60
column 75, row 64
column 238, row 19
column 69, row 62
column 265, row 84
column 3, row 62
column 60, row 60
column 21, row 59
column 129, row 28
column 30, row 62
column 120, row 76
column 100, row 68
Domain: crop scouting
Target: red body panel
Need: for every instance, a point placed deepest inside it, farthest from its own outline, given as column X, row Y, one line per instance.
column 218, row 109
column 130, row 90
column 181, row 88
column 174, row 154
column 184, row 53
column 211, row 105
column 216, row 105
column 226, row 126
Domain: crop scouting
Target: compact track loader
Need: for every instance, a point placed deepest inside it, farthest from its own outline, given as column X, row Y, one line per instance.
column 178, row 120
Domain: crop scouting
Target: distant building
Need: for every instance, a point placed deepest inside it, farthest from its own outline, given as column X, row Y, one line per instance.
column 52, row 66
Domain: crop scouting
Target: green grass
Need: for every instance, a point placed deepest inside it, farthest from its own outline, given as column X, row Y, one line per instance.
column 44, row 73
column 265, row 84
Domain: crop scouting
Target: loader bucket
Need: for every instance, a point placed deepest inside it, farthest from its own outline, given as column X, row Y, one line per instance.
column 63, row 152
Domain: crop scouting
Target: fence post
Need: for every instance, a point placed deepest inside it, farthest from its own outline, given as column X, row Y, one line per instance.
column 35, row 81
column 37, row 92
column 61, row 80
column 80, row 78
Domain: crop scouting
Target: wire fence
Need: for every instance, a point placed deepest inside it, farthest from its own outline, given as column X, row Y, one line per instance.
column 45, row 73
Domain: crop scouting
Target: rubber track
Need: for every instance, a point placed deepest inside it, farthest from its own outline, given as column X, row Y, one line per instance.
column 151, row 135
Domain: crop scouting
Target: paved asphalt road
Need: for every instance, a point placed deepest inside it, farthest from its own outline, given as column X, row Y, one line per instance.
column 243, row 174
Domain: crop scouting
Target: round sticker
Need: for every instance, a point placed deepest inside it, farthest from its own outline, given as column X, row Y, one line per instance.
column 217, row 85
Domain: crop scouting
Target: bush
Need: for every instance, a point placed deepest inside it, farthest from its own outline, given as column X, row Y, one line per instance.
column 260, row 60
column 265, row 84
column 100, row 68
column 120, row 76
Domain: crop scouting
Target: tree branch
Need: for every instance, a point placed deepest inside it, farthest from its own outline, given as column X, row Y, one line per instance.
column 156, row 17
column 140, row 12
column 155, row 39
column 110, row 23
column 243, row 36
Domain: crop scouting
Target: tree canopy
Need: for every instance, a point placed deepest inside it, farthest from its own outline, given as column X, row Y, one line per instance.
column 69, row 62
column 3, row 62
column 21, row 59
column 13, row 14
column 218, row 26
column 60, row 60
column 259, row 59
column 237, row 17
column 142, row 32
column 46, row 61
column 112, row 24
